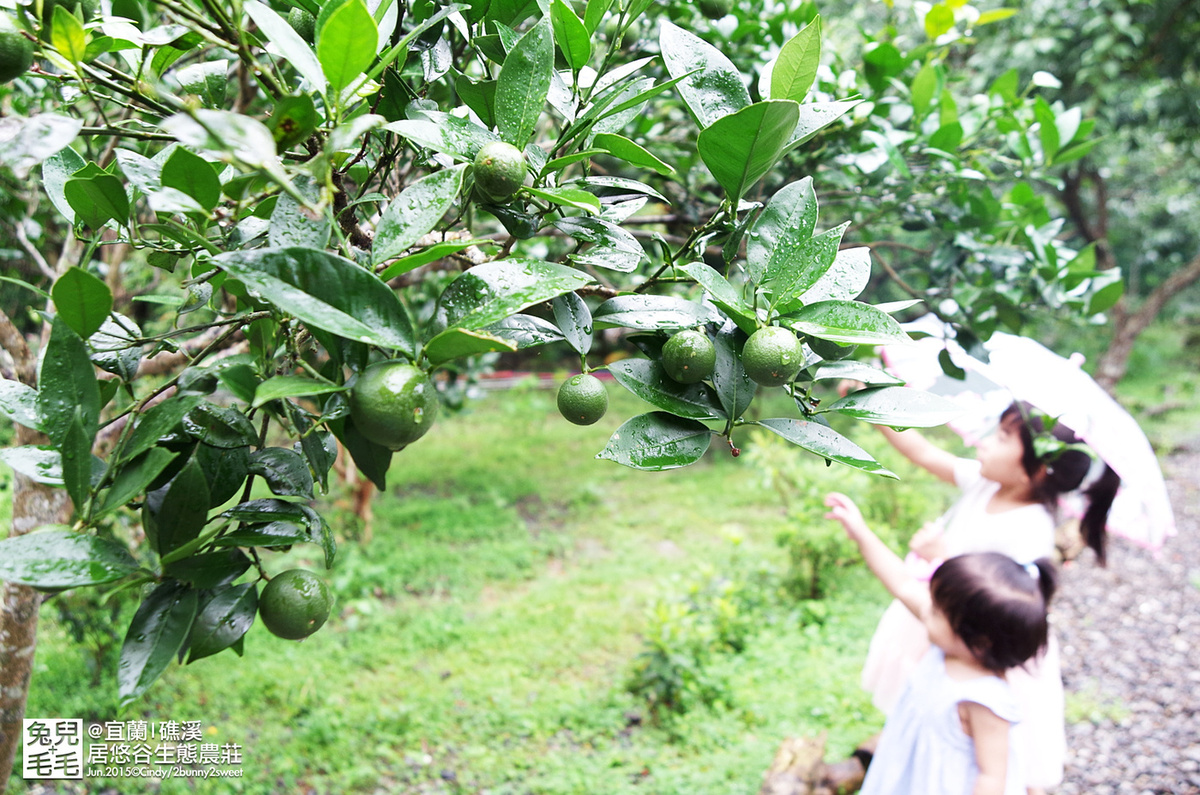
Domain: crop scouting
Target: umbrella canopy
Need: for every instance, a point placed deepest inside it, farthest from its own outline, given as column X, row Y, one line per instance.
column 1023, row 369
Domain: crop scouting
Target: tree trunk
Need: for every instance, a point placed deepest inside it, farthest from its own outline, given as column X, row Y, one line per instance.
column 1129, row 325
column 34, row 505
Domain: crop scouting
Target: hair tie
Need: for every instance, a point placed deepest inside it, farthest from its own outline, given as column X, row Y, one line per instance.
column 1033, row 571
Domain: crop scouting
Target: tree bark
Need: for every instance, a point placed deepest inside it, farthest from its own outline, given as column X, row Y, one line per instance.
column 34, row 505
column 1128, row 325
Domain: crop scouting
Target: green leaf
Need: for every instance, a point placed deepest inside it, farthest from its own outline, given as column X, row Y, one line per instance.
column 67, row 35
column 186, row 171
column 856, row 371
column 574, row 319
column 288, row 386
column 596, row 9
column 220, row 426
column 77, row 462
column 156, row 423
column 827, row 443
column 222, row 621
column 225, row 469
column 633, row 153
column 56, row 170
column 156, row 634
column 325, row 291
column 19, row 403
column 1106, row 297
column 459, row 138
column 570, row 34
column 740, row 148
column 67, row 382
column 416, row 211
column 735, row 390
column 271, row 534
column 232, row 137
column 657, row 441
column 803, row 265
column 134, row 477
column 116, row 347
column 947, row 137
column 526, row 331
column 723, row 294
column 796, row 67
column 816, row 116
column 649, row 381
column 491, row 292
column 924, row 87
column 430, row 254
column 845, row 279
column 266, row 510
column 293, row 120
column 897, row 406
column 568, row 197
column 715, row 88
column 97, row 199
column 785, row 225
column 291, row 46
column 939, row 20
column 210, row 569
column 371, row 459
column 285, row 471
column 848, row 323
column 457, row 343
column 994, row 15
column 184, row 510
column 1047, row 129
column 652, row 312
column 616, row 248
column 346, row 40
column 524, row 83
column 82, row 300
column 39, row 463
column 57, row 557
column 26, row 142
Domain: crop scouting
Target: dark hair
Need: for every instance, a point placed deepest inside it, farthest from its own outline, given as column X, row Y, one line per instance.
column 1063, row 471
column 993, row 604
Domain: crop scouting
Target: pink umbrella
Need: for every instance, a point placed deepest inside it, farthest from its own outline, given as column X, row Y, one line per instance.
column 1021, row 368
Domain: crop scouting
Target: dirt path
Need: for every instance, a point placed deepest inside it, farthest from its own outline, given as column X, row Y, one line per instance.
column 1131, row 658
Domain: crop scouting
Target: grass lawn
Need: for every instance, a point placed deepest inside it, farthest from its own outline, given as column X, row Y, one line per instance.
column 483, row 637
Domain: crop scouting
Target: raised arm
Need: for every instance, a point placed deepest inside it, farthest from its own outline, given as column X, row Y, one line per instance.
column 882, row 561
column 922, row 452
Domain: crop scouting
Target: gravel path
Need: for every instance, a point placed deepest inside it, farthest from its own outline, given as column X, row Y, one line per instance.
column 1131, row 658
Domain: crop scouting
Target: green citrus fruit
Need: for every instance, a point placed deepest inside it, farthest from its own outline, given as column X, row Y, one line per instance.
column 393, row 403
column 303, row 23
column 582, row 399
column 715, row 9
column 499, row 171
column 772, row 356
column 295, row 604
column 689, row 356
column 16, row 51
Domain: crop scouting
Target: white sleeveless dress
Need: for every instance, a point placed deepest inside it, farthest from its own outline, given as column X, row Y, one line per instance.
column 923, row 748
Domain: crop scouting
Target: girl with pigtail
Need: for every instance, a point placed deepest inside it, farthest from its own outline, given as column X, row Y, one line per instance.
column 1009, row 504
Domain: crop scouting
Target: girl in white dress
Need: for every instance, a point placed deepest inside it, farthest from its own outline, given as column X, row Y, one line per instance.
column 1009, row 497
column 950, row 732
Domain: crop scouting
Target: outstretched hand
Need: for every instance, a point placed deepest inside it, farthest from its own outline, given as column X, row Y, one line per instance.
column 843, row 509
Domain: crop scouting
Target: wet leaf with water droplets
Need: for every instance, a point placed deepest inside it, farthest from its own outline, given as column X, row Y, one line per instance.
column 57, row 557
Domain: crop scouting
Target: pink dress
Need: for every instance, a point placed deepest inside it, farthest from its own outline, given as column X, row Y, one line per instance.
column 900, row 641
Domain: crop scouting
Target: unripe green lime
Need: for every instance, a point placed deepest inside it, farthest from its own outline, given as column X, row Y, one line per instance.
column 830, row 351
column 16, row 51
column 772, row 356
column 295, row 604
column 689, row 356
column 393, row 403
column 582, row 399
column 304, row 23
column 715, row 9
column 499, row 171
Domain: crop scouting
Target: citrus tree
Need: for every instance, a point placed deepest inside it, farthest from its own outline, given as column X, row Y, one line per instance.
column 329, row 212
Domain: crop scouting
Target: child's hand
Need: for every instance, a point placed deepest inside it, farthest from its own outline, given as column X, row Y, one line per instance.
column 843, row 509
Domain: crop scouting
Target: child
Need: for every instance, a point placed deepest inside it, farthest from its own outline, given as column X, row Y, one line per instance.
column 1010, row 493
column 983, row 613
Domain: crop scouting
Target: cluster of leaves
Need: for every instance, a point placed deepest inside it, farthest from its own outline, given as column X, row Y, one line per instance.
column 311, row 225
